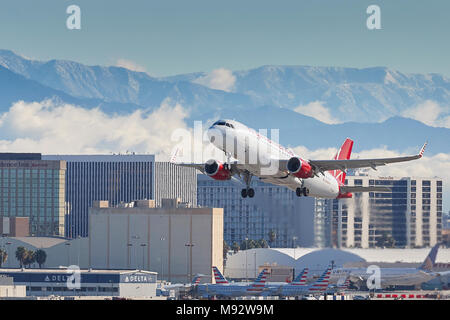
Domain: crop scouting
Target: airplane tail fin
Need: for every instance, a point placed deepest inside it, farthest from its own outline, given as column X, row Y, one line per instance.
column 218, row 276
column 301, row 278
column 322, row 283
column 430, row 260
column 260, row 281
column 343, row 153
column 196, row 279
column 345, row 284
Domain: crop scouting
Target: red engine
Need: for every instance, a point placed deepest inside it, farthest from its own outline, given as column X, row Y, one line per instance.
column 217, row 170
column 344, row 195
column 300, row 168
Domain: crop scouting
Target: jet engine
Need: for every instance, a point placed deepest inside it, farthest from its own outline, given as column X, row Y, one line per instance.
column 300, row 168
column 217, row 170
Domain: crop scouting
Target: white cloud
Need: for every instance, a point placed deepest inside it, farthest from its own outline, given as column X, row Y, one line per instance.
column 50, row 128
column 220, row 79
column 316, row 110
column 430, row 113
column 130, row 65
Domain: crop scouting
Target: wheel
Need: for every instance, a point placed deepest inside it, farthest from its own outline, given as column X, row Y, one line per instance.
column 305, row 192
column 298, row 192
column 251, row 193
column 244, row 193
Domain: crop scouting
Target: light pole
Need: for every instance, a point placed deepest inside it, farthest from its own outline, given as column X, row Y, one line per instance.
column 189, row 246
column 79, row 249
column 129, row 245
column 68, row 256
column 246, row 251
column 143, row 245
column 160, row 254
column 136, row 255
column 294, row 239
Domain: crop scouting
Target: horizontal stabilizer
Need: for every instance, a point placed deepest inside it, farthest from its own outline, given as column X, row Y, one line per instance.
column 345, row 189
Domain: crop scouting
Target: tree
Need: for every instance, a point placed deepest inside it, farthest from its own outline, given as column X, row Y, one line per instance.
column 235, row 247
column 226, row 248
column 263, row 243
column 41, row 256
column 3, row 257
column 385, row 241
column 29, row 258
column 272, row 236
column 20, row 255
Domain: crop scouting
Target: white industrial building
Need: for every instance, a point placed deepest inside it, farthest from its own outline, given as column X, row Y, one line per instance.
column 245, row 263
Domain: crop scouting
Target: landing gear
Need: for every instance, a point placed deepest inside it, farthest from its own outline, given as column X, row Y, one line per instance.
column 302, row 192
column 250, row 192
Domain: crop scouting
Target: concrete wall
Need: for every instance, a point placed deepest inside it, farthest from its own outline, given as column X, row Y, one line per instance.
column 155, row 239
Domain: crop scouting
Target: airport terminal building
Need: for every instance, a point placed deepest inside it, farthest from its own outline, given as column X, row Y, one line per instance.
column 64, row 282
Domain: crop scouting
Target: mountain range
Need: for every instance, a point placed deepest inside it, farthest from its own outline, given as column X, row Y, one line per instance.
column 367, row 102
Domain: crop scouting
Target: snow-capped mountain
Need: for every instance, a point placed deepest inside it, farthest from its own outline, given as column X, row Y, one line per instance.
column 365, row 100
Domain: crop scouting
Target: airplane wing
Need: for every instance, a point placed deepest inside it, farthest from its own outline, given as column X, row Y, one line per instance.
column 345, row 189
column 325, row 165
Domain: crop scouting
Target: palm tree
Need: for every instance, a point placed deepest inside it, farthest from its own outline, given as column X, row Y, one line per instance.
column 272, row 236
column 3, row 257
column 235, row 247
column 40, row 257
column 263, row 243
column 20, row 255
column 29, row 258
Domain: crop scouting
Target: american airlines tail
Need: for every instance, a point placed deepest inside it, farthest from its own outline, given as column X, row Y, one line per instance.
column 260, row 282
column 430, row 260
column 220, row 279
column 196, row 279
column 322, row 283
column 300, row 280
column 343, row 154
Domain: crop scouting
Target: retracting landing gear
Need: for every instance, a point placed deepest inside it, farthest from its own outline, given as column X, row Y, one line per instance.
column 302, row 192
column 250, row 192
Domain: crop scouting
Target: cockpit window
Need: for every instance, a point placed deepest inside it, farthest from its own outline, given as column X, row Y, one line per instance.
column 223, row 123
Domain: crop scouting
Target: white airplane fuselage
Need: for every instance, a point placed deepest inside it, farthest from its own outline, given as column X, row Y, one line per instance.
column 257, row 151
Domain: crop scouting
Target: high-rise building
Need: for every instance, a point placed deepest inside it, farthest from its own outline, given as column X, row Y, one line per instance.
column 33, row 188
column 273, row 208
column 119, row 178
column 410, row 215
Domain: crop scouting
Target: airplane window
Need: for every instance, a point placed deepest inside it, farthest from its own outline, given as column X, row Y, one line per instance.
column 229, row 125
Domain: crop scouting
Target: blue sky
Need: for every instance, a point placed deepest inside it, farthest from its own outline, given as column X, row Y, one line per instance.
column 170, row 37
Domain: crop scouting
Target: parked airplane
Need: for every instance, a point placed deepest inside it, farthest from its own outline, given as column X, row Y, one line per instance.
column 297, row 289
column 223, row 288
column 256, row 155
column 395, row 276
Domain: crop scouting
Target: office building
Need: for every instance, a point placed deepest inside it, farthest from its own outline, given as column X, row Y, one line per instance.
column 174, row 240
column 273, row 208
column 410, row 215
column 33, row 188
column 119, row 178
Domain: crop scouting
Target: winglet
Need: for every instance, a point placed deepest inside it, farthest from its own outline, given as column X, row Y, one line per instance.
column 423, row 149
column 174, row 155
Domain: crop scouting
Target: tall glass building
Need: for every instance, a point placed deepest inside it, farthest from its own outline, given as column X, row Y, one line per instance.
column 411, row 213
column 119, row 178
column 33, row 188
column 273, row 208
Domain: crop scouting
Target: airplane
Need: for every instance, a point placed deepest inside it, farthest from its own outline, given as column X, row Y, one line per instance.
column 255, row 155
column 165, row 289
column 301, row 288
column 224, row 288
column 395, row 276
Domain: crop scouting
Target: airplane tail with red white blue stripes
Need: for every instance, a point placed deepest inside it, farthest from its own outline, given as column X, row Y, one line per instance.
column 219, row 278
column 300, row 280
column 322, row 283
